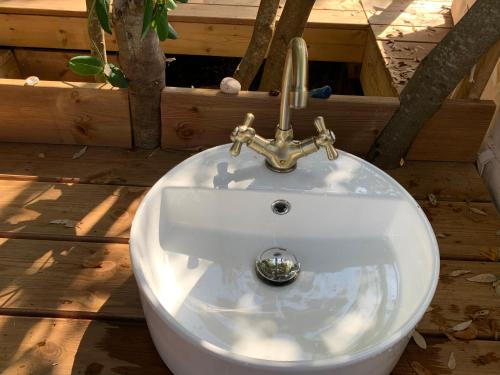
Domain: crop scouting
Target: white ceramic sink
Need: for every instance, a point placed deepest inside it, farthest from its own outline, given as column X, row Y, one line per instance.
column 369, row 266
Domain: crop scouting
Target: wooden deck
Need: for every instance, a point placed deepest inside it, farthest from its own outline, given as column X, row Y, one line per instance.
column 68, row 299
column 388, row 37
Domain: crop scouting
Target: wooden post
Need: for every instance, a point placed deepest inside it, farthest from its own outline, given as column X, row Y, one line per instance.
column 434, row 79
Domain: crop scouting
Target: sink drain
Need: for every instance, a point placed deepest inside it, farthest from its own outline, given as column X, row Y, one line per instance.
column 277, row 266
column 281, row 207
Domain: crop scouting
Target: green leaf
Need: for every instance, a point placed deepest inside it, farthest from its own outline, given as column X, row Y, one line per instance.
column 172, row 34
column 102, row 11
column 160, row 21
column 86, row 65
column 171, row 4
column 148, row 17
column 116, row 77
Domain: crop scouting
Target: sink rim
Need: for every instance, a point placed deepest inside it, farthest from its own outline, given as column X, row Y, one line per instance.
column 338, row 361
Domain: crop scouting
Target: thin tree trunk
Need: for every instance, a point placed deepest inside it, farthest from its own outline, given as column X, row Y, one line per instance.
column 257, row 49
column 291, row 24
column 96, row 36
column 143, row 63
column 438, row 74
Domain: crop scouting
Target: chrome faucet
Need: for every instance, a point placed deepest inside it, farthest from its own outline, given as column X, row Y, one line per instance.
column 283, row 152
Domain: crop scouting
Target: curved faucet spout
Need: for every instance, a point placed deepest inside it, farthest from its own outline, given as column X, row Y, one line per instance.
column 294, row 91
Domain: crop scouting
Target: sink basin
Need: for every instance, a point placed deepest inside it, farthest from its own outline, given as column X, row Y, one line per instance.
column 368, row 256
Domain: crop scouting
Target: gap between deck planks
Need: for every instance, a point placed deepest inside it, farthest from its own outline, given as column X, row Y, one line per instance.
column 70, row 346
column 35, row 275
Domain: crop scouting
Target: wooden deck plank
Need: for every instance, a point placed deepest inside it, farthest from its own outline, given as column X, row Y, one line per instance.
column 71, row 346
column 473, row 357
column 63, row 346
column 67, row 279
column 448, row 181
column 99, row 212
column 93, row 211
column 420, row 34
column 457, row 300
column 82, row 280
column 64, row 113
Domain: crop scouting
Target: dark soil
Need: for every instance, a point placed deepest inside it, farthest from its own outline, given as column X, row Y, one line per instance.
column 208, row 71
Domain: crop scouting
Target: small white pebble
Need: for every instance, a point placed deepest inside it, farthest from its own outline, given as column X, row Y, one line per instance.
column 231, row 86
column 32, row 81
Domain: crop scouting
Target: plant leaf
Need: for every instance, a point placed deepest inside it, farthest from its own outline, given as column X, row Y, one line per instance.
column 462, row 326
column 419, row 340
column 148, row 17
column 171, row 4
column 116, row 77
column 160, row 21
column 102, row 12
column 483, row 278
column 172, row 34
column 86, row 65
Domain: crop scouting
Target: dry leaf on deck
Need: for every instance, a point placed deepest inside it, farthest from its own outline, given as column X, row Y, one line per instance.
column 462, row 326
column 467, row 334
column 429, row 309
column 498, row 232
column 41, row 155
column 491, row 254
column 419, row 369
column 483, row 278
column 66, row 222
column 452, row 363
column 480, row 314
column 477, row 211
column 78, row 154
column 419, row 340
column 432, row 200
column 459, row 273
column 440, row 235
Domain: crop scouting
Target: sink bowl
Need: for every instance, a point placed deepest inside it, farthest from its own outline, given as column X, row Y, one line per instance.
column 368, row 256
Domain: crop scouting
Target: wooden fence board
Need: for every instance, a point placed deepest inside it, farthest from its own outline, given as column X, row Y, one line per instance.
column 69, row 113
column 197, row 118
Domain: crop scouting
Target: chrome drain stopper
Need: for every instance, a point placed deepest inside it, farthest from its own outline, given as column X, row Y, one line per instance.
column 277, row 266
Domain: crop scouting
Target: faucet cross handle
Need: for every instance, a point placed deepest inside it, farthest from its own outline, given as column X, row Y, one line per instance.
column 242, row 134
column 326, row 138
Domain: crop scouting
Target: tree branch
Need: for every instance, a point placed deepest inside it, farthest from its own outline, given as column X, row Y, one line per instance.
column 257, row 48
column 438, row 74
column 291, row 24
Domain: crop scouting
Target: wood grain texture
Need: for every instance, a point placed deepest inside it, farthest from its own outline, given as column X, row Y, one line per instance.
column 51, row 65
column 103, row 213
column 375, row 77
column 471, row 357
column 67, row 279
column 33, row 345
column 449, row 181
column 84, row 280
column 464, row 121
column 9, row 67
column 211, row 39
column 197, row 118
column 93, row 211
column 69, row 113
column 64, row 346
column 457, row 300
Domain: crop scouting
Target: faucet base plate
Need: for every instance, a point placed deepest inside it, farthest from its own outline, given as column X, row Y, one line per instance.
column 281, row 170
